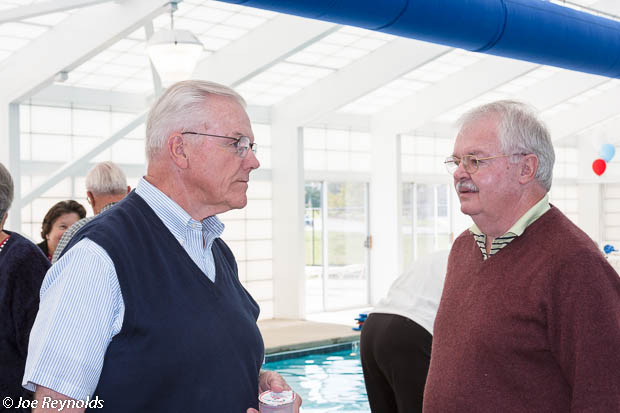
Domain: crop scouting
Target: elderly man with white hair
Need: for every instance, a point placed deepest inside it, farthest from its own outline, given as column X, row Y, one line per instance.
column 529, row 318
column 106, row 185
column 145, row 311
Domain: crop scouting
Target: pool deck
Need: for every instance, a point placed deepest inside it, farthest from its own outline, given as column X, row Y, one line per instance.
column 286, row 335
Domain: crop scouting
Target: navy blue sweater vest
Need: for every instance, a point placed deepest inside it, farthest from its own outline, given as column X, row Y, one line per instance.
column 187, row 344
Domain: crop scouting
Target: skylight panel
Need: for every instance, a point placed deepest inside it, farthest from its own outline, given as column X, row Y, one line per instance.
column 213, row 43
column 210, row 14
column 125, row 45
column 264, row 99
column 138, row 34
column 369, row 43
column 105, row 56
column 74, row 77
column 339, row 38
column 581, row 98
column 452, row 115
column 284, row 90
column 268, row 14
column 554, row 110
column 197, row 27
column 361, row 108
column 299, row 81
column 226, row 32
column 99, row 81
column 135, row 85
column 225, row 6
column 22, row 30
column 88, row 66
column 322, row 48
column 4, row 54
column 352, row 53
column 246, row 21
column 12, row 43
column 287, row 68
column 305, row 57
column 49, row 20
column 416, row 80
column 251, row 88
column 335, row 62
column 131, row 59
column 314, row 72
column 356, row 31
column 111, row 69
column 270, row 77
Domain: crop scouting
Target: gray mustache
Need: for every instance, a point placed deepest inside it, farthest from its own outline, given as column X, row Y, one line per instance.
column 466, row 185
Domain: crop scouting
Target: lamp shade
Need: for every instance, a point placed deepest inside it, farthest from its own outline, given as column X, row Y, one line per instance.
column 174, row 54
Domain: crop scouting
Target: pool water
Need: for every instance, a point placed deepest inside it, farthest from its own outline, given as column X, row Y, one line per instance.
column 328, row 382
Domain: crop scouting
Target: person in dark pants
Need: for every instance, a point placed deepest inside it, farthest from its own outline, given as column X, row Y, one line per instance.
column 397, row 338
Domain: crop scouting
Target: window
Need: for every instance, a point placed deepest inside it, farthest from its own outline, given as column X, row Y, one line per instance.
column 425, row 220
column 336, row 150
column 423, row 155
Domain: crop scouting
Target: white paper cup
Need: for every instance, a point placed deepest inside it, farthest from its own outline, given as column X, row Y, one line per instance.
column 271, row 402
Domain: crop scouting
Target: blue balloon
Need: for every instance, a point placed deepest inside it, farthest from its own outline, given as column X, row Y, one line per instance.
column 607, row 151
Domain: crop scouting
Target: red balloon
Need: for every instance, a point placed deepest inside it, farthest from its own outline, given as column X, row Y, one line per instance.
column 599, row 166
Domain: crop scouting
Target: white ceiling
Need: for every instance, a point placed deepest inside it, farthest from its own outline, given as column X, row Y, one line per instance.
column 306, row 71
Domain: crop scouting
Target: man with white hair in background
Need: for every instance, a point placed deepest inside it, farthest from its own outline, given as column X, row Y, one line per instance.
column 145, row 311
column 106, row 185
column 529, row 318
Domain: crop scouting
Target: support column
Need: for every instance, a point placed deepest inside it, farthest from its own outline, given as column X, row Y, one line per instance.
column 14, row 222
column 10, row 158
column 590, row 192
column 288, row 220
column 385, row 209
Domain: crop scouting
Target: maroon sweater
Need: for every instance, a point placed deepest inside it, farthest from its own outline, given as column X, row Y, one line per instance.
column 534, row 328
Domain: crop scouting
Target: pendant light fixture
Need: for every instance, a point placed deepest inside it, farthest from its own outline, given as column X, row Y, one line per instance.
column 174, row 53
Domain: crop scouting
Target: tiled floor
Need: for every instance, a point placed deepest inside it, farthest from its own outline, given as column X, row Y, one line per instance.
column 286, row 335
column 319, row 330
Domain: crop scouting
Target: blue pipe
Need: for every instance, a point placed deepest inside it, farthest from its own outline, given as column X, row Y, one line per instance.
column 531, row 30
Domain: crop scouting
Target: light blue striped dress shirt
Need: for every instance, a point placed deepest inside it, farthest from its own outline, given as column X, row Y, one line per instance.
column 82, row 307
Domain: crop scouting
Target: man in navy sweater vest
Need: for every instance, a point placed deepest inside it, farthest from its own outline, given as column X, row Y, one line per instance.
column 529, row 318
column 144, row 311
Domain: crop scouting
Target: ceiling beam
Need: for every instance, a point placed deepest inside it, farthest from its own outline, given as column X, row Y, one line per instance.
column 62, row 95
column 72, row 42
column 559, row 88
column 454, row 90
column 40, row 9
column 586, row 115
column 361, row 77
column 260, row 49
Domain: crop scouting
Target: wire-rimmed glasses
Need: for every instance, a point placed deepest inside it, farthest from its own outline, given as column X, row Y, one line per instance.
column 242, row 144
column 470, row 162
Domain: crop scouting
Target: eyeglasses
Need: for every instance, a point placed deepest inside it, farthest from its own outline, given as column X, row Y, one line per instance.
column 242, row 144
column 470, row 162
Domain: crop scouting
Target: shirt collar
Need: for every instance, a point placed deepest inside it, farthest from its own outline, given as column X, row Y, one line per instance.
column 175, row 218
column 108, row 206
column 526, row 219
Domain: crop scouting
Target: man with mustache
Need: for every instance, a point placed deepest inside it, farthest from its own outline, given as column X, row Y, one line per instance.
column 529, row 319
column 145, row 312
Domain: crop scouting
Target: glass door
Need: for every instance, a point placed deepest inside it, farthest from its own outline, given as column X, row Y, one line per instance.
column 336, row 233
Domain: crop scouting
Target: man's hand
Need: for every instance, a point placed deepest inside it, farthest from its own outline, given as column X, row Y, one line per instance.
column 270, row 380
column 43, row 392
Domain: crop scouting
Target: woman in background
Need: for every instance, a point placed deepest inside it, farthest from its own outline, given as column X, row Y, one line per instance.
column 22, row 268
column 57, row 220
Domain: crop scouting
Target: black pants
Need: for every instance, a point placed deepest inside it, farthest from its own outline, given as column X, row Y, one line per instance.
column 396, row 353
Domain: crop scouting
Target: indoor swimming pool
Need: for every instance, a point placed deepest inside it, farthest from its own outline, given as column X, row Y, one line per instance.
column 329, row 381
